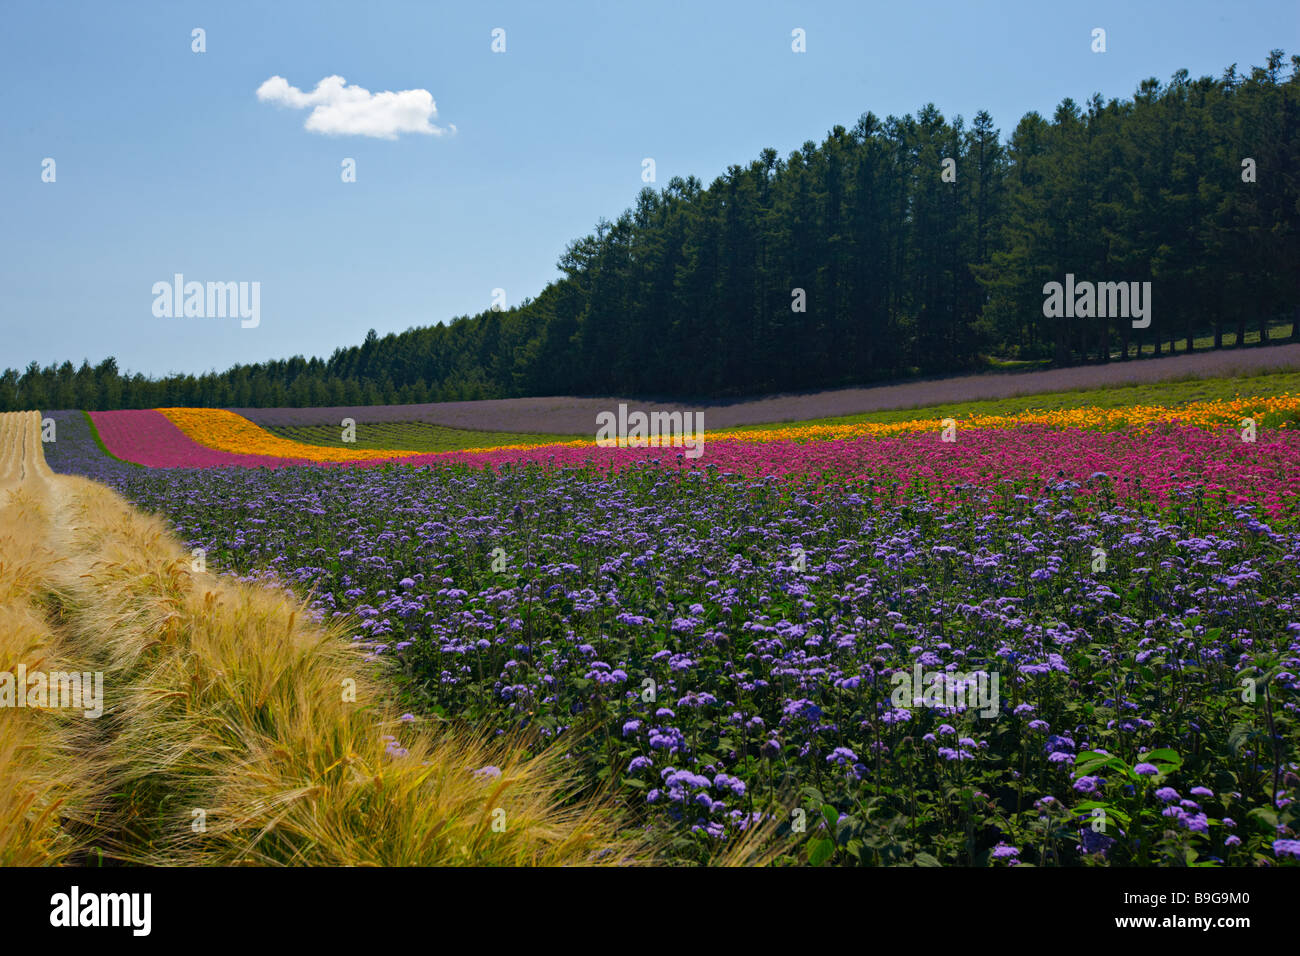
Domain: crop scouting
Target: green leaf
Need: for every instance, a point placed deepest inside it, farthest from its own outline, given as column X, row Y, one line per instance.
column 1090, row 760
column 820, row 851
column 1264, row 815
column 1163, row 755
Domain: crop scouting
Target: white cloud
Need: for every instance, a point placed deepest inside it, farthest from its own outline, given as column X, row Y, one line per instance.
column 342, row 110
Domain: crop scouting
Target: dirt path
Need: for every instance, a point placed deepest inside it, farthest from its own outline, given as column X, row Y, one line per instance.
column 577, row 416
column 48, row 791
column 21, row 459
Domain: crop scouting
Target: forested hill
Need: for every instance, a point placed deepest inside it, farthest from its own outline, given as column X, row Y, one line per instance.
column 857, row 260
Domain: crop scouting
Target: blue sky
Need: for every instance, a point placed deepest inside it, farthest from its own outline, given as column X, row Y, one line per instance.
column 167, row 161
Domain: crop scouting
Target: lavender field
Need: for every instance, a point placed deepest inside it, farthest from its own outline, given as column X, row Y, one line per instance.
column 574, row 416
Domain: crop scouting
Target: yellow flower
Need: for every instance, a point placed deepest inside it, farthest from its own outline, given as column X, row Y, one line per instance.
column 226, row 431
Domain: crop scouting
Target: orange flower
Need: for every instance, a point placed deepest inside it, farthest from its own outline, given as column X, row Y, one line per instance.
column 226, row 431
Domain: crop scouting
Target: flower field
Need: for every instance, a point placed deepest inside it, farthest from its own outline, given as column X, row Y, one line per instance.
column 219, row 701
column 423, row 437
column 225, row 431
column 148, row 437
column 723, row 640
column 1144, row 449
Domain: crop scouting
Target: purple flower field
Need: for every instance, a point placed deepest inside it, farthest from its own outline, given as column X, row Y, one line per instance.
column 1098, row 683
column 570, row 415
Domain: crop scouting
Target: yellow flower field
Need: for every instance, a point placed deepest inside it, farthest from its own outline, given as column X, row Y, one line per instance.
column 226, row 431
column 1206, row 414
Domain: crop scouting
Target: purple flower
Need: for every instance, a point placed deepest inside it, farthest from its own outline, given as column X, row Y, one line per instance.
column 727, row 782
column 1087, row 784
column 1287, row 848
column 842, row 756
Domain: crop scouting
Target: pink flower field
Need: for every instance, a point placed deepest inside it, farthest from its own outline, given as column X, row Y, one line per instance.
column 1159, row 462
column 146, row 437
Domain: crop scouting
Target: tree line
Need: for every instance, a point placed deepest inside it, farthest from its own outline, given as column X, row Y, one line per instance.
column 912, row 245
